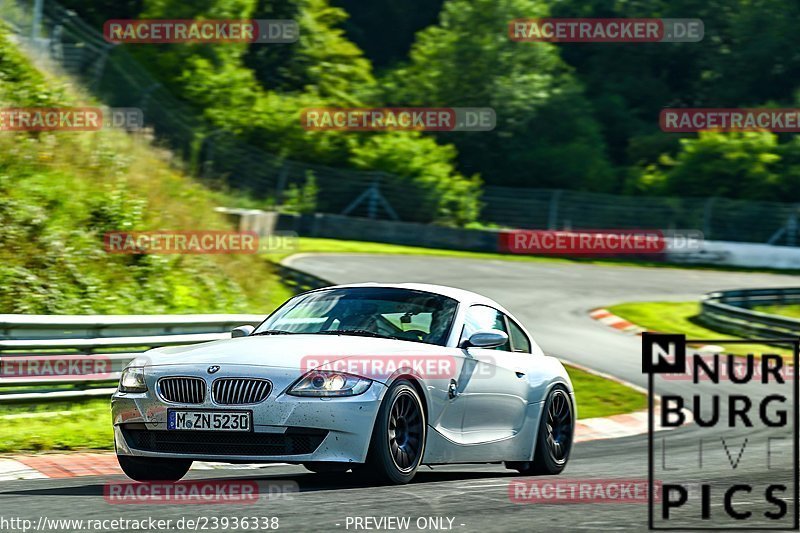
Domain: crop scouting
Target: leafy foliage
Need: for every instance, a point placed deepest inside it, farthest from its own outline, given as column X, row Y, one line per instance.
column 61, row 192
column 576, row 116
column 545, row 135
column 751, row 165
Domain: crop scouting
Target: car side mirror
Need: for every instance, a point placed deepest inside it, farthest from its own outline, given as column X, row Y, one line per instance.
column 242, row 331
column 486, row 338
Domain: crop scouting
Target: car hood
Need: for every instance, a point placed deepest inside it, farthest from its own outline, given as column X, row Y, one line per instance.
column 287, row 351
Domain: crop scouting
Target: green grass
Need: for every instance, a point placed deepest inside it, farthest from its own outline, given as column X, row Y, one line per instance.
column 62, row 191
column 84, row 425
column 792, row 311
column 682, row 317
column 597, row 396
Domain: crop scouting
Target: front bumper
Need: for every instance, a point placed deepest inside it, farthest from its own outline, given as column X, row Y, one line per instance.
column 287, row 429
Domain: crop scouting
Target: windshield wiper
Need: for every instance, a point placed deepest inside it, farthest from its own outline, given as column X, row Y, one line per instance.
column 359, row 332
column 273, row 332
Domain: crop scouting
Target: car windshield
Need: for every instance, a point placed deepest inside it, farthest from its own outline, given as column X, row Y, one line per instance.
column 375, row 312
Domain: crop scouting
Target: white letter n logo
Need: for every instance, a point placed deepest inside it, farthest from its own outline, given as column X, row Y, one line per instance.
column 664, row 357
column 663, row 353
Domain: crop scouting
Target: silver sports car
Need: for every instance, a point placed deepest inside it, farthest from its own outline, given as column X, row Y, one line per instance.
column 374, row 378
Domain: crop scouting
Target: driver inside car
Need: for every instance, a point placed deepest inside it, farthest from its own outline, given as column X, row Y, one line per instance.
column 363, row 318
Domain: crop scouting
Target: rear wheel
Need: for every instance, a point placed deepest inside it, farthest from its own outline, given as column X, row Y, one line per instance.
column 398, row 440
column 554, row 438
column 153, row 468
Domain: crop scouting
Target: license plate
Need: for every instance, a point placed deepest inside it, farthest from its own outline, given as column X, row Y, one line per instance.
column 209, row 420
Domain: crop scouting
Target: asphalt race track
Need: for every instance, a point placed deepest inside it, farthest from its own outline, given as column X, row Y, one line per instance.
column 552, row 299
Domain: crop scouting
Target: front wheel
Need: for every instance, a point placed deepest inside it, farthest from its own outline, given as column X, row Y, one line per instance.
column 554, row 438
column 153, row 468
column 398, row 440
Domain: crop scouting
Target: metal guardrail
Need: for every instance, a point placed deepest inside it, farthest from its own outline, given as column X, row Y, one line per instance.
column 300, row 281
column 45, row 352
column 731, row 312
column 113, row 339
column 35, row 327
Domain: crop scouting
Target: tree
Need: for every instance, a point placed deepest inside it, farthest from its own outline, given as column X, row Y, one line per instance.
column 734, row 165
column 747, row 56
column 323, row 61
column 545, row 135
column 385, row 29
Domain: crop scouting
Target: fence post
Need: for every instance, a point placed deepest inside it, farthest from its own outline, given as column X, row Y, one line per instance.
column 791, row 230
column 36, row 26
column 708, row 211
column 283, row 175
column 146, row 95
column 552, row 216
column 207, row 154
column 372, row 195
column 100, row 66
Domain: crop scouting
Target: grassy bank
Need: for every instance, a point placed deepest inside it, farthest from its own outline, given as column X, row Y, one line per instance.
column 792, row 311
column 61, row 426
column 61, row 192
column 597, row 396
column 683, row 317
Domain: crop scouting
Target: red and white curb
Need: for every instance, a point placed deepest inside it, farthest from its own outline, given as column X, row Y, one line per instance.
column 68, row 465
column 623, row 425
column 604, row 316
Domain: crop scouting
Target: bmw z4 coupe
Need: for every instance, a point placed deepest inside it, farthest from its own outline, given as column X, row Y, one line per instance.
column 374, row 378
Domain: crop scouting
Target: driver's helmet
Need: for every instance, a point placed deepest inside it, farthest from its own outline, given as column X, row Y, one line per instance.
column 439, row 323
column 361, row 317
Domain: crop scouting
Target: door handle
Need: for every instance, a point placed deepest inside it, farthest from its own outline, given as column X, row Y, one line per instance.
column 520, row 374
column 452, row 389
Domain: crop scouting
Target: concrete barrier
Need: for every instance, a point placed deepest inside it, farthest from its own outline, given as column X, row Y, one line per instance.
column 740, row 254
column 722, row 253
column 406, row 233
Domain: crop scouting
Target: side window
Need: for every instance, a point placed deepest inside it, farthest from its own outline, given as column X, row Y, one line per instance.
column 519, row 340
column 482, row 317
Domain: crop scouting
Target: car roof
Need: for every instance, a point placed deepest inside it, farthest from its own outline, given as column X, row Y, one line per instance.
column 461, row 295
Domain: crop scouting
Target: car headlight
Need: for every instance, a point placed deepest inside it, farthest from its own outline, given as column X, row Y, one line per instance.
column 132, row 380
column 327, row 383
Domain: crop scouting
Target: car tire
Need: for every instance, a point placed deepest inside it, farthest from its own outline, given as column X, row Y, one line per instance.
column 328, row 467
column 153, row 468
column 554, row 438
column 398, row 439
